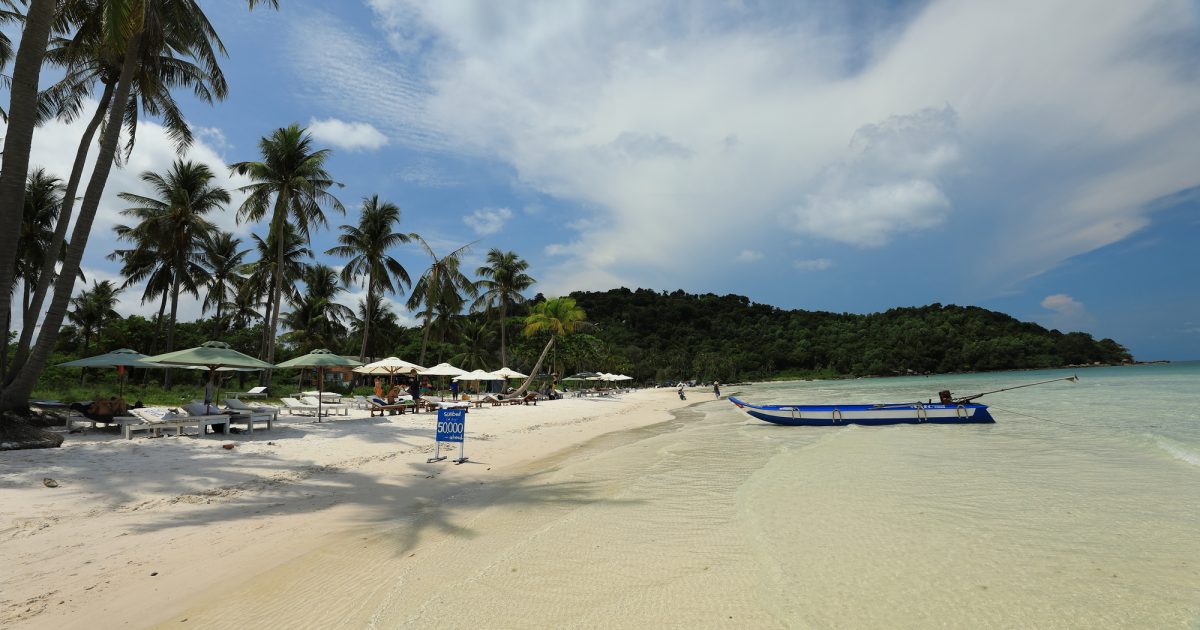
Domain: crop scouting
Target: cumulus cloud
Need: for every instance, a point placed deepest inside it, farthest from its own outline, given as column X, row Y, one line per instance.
column 748, row 256
column 1067, row 312
column 889, row 185
column 815, row 264
column 351, row 136
column 747, row 117
column 485, row 221
column 1063, row 304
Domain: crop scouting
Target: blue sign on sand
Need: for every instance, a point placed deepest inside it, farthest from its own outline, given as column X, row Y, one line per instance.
column 451, row 424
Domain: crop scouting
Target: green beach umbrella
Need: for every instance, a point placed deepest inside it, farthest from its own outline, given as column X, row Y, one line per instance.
column 122, row 358
column 212, row 355
column 320, row 359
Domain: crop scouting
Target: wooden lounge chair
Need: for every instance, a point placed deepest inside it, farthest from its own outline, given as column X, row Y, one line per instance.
column 382, row 408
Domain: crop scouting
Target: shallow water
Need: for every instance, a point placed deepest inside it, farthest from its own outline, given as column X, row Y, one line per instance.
column 1079, row 508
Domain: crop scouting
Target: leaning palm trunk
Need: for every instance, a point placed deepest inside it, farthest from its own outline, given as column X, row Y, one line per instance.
column 536, row 366
column 16, row 394
column 18, row 137
column 46, row 277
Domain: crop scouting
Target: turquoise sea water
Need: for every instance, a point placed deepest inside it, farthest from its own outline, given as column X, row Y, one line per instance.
column 1079, row 508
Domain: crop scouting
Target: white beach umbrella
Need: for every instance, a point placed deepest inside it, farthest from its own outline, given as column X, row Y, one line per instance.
column 477, row 376
column 506, row 372
column 442, row 369
column 390, row 365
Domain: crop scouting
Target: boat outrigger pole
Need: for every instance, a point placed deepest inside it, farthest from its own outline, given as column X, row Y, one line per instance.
column 967, row 399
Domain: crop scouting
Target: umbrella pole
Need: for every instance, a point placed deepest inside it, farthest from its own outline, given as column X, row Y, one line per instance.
column 320, row 391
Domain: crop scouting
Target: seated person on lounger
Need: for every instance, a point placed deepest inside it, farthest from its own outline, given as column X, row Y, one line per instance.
column 393, row 394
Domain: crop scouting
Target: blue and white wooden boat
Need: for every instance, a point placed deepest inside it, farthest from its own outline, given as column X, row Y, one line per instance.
column 838, row 415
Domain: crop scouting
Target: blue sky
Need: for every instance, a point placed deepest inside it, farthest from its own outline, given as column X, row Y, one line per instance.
column 1034, row 157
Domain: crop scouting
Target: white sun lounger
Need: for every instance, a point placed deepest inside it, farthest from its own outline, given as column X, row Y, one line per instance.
column 293, row 406
column 255, row 392
column 155, row 419
column 327, row 408
column 241, row 413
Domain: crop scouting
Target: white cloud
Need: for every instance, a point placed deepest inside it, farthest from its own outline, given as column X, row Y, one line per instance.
column 485, row 221
column 748, row 256
column 1050, row 133
column 1063, row 304
column 1067, row 312
column 351, row 136
column 815, row 264
column 425, row 172
column 888, row 186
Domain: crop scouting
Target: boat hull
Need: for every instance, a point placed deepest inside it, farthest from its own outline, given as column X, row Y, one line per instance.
column 840, row 415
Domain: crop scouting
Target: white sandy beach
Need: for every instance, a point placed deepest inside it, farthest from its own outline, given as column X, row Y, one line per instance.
column 149, row 531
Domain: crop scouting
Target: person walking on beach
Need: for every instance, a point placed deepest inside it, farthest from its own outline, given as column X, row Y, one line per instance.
column 681, row 396
column 717, row 388
column 414, row 389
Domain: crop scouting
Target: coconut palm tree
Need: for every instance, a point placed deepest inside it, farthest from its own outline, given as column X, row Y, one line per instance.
column 260, row 274
column 22, row 117
column 501, row 282
column 91, row 309
column 315, row 320
column 139, row 29
column 383, row 322
column 43, row 198
column 223, row 261
column 87, row 61
column 441, row 291
column 559, row 317
column 243, row 309
column 291, row 186
column 476, row 338
column 174, row 222
column 366, row 245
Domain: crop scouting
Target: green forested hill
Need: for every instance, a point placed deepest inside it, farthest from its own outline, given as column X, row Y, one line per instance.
column 679, row 335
